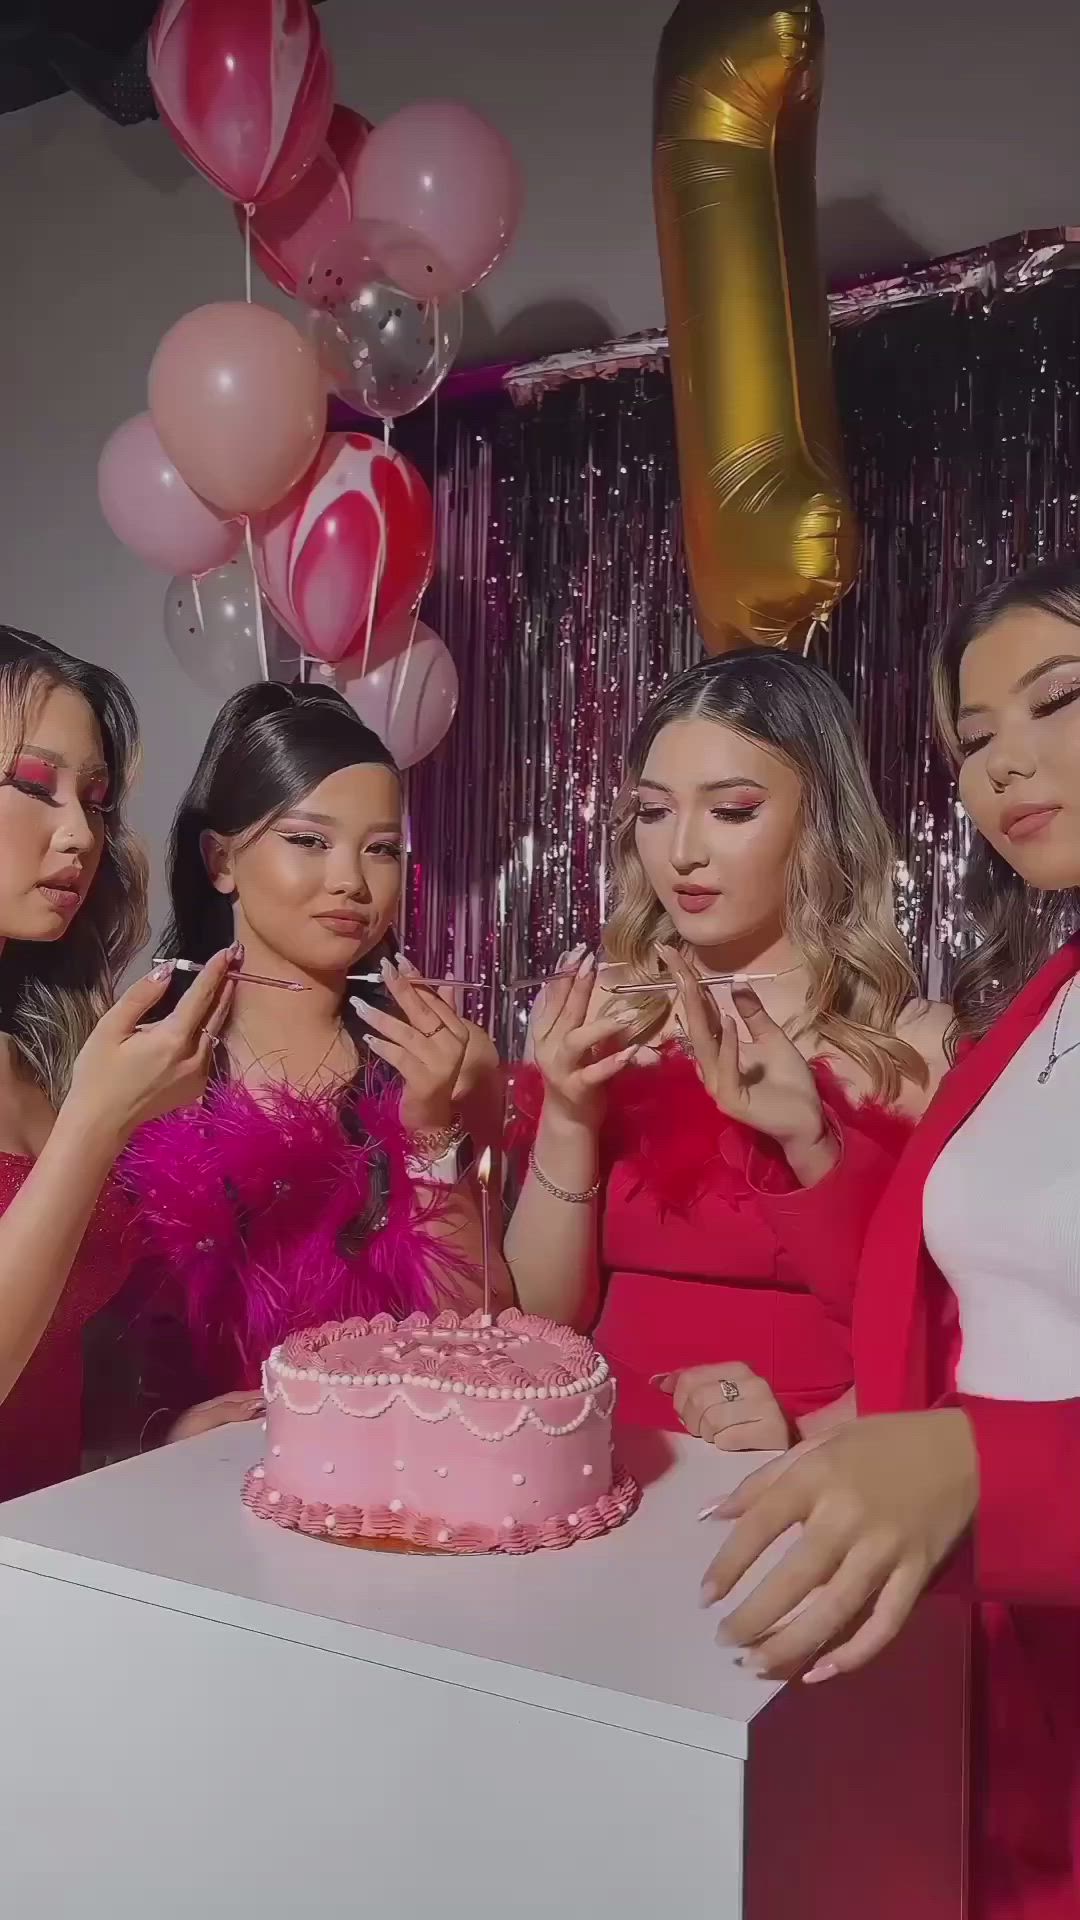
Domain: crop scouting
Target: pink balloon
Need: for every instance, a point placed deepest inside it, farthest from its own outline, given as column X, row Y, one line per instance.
column 237, row 397
column 442, row 192
column 245, row 87
column 153, row 511
column 410, row 702
column 287, row 235
column 349, row 548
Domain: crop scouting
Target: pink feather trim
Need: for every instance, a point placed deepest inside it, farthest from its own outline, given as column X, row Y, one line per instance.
column 246, row 1203
column 664, row 1126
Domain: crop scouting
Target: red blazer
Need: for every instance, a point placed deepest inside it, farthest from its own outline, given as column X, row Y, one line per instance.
column 906, row 1338
column 1025, row 1551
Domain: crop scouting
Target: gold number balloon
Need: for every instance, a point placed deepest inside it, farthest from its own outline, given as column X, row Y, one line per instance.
column 770, row 534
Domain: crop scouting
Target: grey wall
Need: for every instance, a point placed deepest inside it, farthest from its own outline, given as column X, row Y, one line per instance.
column 947, row 122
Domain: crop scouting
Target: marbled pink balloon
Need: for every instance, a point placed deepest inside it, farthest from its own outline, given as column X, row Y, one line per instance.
column 349, row 548
column 288, row 234
column 409, row 701
column 245, row 87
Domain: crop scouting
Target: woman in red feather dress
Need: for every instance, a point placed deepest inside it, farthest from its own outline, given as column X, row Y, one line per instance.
column 747, row 843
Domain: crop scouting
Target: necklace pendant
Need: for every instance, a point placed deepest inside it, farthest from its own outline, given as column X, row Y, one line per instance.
column 1048, row 1069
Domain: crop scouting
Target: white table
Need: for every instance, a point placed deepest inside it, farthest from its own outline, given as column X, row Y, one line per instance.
column 205, row 1716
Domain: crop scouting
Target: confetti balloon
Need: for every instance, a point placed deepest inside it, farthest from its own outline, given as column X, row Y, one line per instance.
column 349, row 550
column 212, row 627
column 245, row 87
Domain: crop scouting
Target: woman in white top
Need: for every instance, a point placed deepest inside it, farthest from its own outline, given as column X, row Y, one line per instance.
column 967, row 1307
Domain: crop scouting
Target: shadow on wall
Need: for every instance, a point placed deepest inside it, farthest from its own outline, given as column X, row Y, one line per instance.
column 546, row 326
column 858, row 235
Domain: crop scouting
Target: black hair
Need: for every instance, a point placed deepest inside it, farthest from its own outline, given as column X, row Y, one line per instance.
column 269, row 747
column 1018, row 927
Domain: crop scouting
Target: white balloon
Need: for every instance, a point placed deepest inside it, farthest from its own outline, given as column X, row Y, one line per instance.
column 210, row 624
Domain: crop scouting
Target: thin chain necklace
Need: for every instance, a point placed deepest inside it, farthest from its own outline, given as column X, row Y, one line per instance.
column 255, row 1060
column 1054, row 1056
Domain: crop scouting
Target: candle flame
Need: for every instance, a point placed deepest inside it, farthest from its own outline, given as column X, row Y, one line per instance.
column 483, row 1167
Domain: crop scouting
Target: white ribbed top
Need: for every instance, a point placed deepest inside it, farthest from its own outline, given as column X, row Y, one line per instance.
column 1001, row 1216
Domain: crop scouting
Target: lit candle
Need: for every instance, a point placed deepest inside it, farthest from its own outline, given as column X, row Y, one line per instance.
column 483, row 1174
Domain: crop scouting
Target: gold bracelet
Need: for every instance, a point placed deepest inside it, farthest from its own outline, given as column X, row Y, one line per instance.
column 432, row 1144
column 580, row 1199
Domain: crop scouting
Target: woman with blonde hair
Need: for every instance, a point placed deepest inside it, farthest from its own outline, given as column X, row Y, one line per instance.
column 660, row 1201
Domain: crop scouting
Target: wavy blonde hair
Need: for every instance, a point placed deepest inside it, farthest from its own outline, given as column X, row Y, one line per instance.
column 839, row 910
column 52, row 993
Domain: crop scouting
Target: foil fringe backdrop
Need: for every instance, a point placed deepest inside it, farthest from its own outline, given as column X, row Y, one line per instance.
column 562, row 593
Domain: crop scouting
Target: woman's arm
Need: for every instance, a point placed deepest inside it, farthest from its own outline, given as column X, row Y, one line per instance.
column 1026, row 1535
column 41, row 1233
column 821, row 1224
column 552, row 1242
column 122, row 1077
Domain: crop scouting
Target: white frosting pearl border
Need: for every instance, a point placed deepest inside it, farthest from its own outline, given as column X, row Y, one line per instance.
column 279, row 1367
column 599, row 1404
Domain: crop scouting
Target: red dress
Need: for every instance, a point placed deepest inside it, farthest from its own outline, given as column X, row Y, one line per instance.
column 41, row 1421
column 699, row 1262
column 1024, row 1567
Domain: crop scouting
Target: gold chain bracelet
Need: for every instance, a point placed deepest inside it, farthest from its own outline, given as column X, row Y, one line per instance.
column 560, row 1193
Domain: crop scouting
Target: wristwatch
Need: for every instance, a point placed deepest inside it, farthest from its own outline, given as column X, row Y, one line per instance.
column 450, row 1168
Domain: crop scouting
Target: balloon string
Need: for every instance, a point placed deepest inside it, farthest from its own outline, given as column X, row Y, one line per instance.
column 406, row 856
column 260, row 625
column 248, row 211
column 401, row 670
column 817, row 624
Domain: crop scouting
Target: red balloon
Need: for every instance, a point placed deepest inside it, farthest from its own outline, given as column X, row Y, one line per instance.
column 245, row 87
column 290, row 233
column 349, row 550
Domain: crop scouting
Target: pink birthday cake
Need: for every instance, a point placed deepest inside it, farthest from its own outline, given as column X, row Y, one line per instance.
column 450, row 1435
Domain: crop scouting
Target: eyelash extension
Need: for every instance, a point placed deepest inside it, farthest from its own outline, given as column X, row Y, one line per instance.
column 102, row 808
column 1053, row 704
column 1055, row 701
column 650, row 815
column 315, row 840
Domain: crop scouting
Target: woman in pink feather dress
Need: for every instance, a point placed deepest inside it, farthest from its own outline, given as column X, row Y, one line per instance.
column 329, row 1170
column 747, row 842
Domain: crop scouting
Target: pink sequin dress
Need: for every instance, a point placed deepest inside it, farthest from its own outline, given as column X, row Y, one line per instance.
column 41, row 1421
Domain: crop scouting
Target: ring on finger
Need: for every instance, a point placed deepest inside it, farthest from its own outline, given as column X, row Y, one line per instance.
column 729, row 1391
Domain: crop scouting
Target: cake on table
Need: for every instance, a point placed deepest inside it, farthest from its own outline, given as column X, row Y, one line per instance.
column 447, row 1434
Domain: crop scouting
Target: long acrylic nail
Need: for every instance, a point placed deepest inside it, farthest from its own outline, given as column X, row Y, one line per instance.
column 708, row 1512
column 163, row 971
column 587, row 965
column 825, row 1670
